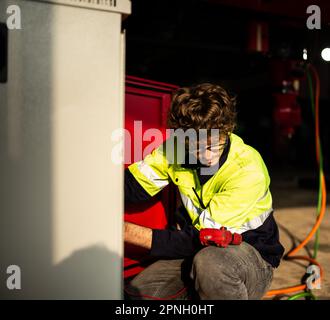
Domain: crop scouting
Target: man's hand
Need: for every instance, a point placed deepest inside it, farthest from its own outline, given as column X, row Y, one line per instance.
column 138, row 235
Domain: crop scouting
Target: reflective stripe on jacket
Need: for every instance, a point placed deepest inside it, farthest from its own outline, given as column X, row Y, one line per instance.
column 237, row 196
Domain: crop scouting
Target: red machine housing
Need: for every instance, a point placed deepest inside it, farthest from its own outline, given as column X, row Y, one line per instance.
column 148, row 102
column 287, row 113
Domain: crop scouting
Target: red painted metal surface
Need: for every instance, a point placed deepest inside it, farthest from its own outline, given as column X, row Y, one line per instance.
column 146, row 105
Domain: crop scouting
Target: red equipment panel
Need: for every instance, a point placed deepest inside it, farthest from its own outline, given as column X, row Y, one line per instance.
column 146, row 105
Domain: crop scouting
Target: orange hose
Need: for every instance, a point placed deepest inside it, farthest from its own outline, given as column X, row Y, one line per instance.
column 319, row 219
column 317, row 223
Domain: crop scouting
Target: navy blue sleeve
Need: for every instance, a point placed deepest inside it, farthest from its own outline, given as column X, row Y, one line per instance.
column 265, row 239
column 134, row 192
column 175, row 243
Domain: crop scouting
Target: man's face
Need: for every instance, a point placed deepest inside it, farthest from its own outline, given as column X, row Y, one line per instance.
column 209, row 150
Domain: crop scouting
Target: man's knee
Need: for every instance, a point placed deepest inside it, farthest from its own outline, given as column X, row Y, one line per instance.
column 216, row 274
column 213, row 264
column 162, row 279
column 220, row 258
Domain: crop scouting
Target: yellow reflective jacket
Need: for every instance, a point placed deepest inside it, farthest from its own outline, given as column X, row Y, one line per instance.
column 237, row 196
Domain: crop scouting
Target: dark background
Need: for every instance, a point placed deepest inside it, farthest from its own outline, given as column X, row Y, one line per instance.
column 191, row 41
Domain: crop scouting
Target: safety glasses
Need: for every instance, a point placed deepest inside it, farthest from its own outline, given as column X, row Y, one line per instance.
column 215, row 148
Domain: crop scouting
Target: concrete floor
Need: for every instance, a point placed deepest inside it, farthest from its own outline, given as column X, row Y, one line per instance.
column 295, row 212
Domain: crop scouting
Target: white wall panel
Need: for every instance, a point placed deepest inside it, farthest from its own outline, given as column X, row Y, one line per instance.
column 61, row 196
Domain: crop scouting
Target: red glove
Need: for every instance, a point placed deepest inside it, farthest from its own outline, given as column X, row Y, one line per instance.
column 237, row 239
column 219, row 237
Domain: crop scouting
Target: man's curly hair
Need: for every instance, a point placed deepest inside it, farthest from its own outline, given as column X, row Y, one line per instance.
column 204, row 106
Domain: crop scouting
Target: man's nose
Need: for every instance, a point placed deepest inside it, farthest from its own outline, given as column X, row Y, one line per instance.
column 207, row 154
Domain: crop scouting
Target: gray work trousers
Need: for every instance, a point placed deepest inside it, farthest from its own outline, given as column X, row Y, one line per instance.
column 232, row 273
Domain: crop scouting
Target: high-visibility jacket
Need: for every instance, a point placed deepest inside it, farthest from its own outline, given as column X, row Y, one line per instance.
column 237, row 196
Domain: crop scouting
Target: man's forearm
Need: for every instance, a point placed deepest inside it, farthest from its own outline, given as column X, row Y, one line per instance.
column 138, row 235
column 164, row 243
